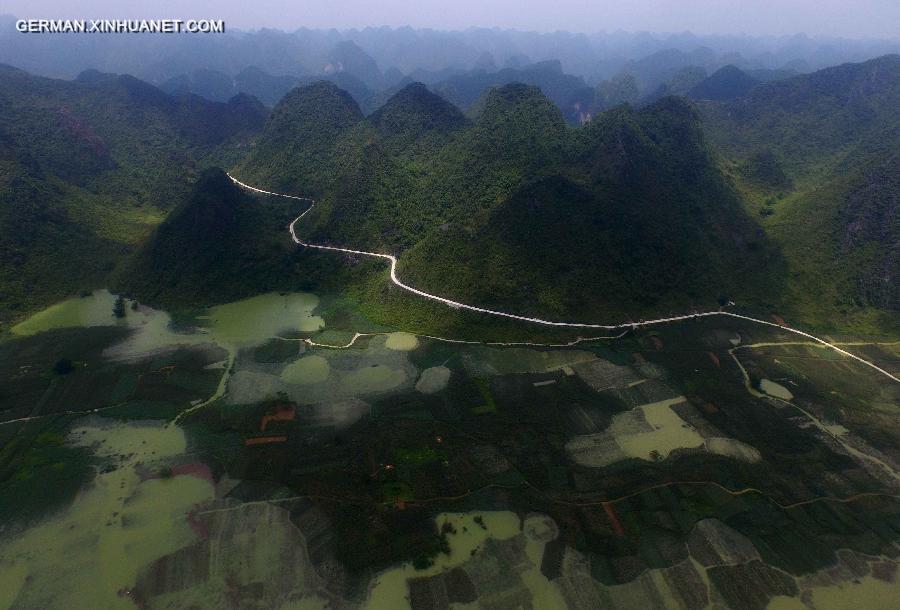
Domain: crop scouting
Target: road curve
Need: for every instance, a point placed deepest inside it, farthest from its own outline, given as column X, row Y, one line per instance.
column 457, row 305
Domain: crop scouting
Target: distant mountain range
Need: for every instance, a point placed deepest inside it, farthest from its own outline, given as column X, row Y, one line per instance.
column 381, row 56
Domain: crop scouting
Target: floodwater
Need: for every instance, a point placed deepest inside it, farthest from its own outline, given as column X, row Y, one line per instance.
column 93, row 310
column 868, row 593
column 369, row 379
column 669, row 432
column 651, row 432
column 433, row 380
column 775, row 389
column 402, row 342
column 323, row 374
column 151, row 328
column 306, row 370
column 252, row 321
column 89, row 554
column 240, row 324
column 390, row 590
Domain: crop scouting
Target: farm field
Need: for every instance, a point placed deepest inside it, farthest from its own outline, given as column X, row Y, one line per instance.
column 270, row 453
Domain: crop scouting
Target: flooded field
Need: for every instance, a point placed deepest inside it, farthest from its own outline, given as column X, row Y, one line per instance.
column 89, row 555
column 651, row 432
column 95, row 309
column 263, row 455
column 476, row 542
column 252, row 321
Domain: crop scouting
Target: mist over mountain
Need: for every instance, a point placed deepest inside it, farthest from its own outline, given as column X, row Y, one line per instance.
column 725, row 83
column 400, row 317
column 380, row 56
column 582, row 74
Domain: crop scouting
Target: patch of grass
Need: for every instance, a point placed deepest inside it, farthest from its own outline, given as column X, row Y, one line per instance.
column 489, row 406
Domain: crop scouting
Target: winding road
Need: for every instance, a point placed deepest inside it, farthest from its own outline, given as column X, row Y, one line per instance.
column 457, row 305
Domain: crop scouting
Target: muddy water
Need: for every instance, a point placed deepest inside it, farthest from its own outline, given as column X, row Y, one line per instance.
column 651, row 432
column 775, row 389
column 306, row 370
column 239, row 324
column 151, row 328
column 389, row 590
column 867, row 593
column 668, row 432
column 12, row 579
column 84, row 556
column 252, row 321
column 93, row 310
column 323, row 375
column 401, row 342
column 433, row 380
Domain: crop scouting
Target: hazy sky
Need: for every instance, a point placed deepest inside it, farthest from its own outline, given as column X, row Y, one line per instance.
column 846, row 18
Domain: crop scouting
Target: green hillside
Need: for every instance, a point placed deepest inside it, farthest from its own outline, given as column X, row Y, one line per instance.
column 297, row 148
column 783, row 199
column 815, row 157
column 726, row 83
column 518, row 210
column 219, row 244
column 633, row 219
column 89, row 167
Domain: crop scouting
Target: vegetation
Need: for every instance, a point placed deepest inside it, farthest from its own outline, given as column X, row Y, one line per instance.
column 39, row 472
column 119, row 307
column 632, row 215
column 726, row 83
column 63, row 366
column 570, row 93
column 219, row 244
column 297, row 148
column 816, row 156
column 88, row 167
column 622, row 218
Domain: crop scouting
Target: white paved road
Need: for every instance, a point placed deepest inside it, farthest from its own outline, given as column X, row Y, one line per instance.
column 457, row 305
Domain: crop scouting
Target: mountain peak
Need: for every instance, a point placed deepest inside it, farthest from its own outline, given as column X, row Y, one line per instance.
column 320, row 102
column 347, row 56
column 521, row 104
column 415, row 110
column 210, row 204
column 300, row 133
column 726, row 83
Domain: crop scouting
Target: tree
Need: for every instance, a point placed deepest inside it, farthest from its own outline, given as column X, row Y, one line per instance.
column 119, row 307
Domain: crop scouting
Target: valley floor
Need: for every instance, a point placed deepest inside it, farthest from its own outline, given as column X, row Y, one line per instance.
column 266, row 453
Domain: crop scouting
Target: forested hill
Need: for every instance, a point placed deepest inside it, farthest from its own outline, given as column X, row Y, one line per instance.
column 813, row 118
column 218, row 244
column 781, row 195
column 816, row 157
column 88, row 167
column 517, row 209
